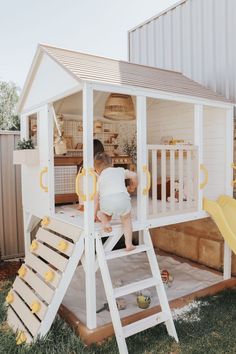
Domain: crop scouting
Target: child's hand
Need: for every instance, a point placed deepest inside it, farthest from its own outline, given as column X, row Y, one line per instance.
column 96, row 218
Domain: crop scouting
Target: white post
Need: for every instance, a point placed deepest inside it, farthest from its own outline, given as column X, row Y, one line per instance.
column 90, row 278
column 51, row 179
column 142, row 200
column 229, row 139
column 198, row 141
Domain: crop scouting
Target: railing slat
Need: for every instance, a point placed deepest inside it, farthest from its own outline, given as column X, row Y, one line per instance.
column 163, row 180
column 182, row 170
column 181, row 179
column 189, row 179
column 154, row 182
column 172, row 180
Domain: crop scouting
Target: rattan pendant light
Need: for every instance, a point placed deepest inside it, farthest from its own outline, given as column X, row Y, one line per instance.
column 119, row 107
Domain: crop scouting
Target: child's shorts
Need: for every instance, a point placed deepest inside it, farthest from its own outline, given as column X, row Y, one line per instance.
column 115, row 204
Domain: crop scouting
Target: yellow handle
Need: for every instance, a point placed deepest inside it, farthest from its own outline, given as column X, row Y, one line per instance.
column 204, row 169
column 93, row 174
column 43, row 171
column 234, row 168
column 146, row 189
column 79, row 175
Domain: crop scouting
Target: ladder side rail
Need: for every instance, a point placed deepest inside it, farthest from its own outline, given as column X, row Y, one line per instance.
column 110, row 297
column 108, row 245
column 160, row 286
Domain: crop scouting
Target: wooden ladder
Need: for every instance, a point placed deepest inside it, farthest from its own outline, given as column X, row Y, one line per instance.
column 112, row 294
column 43, row 279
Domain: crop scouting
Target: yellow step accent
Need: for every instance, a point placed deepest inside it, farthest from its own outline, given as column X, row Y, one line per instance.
column 22, row 271
column 62, row 245
column 45, row 222
column 10, row 297
column 34, row 246
column 49, row 276
column 21, row 338
column 35, row 306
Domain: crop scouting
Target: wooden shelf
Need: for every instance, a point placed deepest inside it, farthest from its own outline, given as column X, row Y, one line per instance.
column 106, row 133
column 67, row 160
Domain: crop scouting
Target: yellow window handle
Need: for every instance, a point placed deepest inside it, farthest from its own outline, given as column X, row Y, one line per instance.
column 93, row 174
column 77, row 180
column 43, row 171
column 146, row 189
column 204, row 169
column 234, row 168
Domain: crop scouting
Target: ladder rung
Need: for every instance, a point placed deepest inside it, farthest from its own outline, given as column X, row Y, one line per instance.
column 133, row 287
column 145, row 323
column 123, row 252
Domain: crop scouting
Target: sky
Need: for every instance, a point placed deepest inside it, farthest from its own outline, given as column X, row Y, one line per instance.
column 93, row 26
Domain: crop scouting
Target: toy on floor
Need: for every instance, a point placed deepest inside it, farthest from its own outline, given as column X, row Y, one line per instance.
column 143, row 301
column 104, row 307
column 120, row 302
column 167, row 278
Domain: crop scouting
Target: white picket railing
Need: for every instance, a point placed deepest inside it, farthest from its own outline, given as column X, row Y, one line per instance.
column 174, row 171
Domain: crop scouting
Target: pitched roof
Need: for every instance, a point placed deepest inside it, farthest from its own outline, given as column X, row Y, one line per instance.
column 100, row 69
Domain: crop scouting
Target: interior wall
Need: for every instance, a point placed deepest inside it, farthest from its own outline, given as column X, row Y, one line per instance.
column 214, row 150
column 71, row 108
column 168, row 118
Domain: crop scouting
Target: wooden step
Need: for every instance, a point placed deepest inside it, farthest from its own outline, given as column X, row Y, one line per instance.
column 15, row 323
column 24, row 313
column 145, row 323
column 134, row 287
column 29, row 296
column 51, row 256
column 55, row 241
column 71, row 231
column 123, row 253
column 42, row 268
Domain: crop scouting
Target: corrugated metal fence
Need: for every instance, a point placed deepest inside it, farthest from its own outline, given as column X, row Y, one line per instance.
column 11, row 216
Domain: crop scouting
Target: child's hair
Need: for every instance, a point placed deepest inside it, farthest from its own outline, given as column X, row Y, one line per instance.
column 102, row 160
column 97, row 147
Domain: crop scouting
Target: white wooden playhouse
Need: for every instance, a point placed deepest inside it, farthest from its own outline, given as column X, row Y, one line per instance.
column 184, row 144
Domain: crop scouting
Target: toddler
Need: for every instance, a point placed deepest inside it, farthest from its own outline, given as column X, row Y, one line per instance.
column 112, row 197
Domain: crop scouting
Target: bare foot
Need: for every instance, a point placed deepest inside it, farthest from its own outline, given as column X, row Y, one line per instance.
column 130, row 248
column 80, row 207
column 107, row 228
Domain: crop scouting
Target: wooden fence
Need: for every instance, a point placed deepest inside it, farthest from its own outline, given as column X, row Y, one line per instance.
column 11, row 216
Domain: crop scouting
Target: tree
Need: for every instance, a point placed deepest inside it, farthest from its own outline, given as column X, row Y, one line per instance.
column 9, row 95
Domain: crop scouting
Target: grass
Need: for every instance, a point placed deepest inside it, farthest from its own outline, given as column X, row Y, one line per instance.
column 206, row 329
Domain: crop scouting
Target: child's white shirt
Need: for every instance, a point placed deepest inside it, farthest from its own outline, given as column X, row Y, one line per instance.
column 112, row 181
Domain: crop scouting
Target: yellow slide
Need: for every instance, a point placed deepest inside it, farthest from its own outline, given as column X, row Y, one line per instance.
column 223, row 212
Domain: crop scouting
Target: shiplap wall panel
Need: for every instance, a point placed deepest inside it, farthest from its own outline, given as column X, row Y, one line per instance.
column 169, row 119
column 214, row 151
column 11, row 215
column 195, row 37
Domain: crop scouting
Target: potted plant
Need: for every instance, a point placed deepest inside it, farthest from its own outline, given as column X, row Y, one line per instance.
column 25, row 153
column 130, row 148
